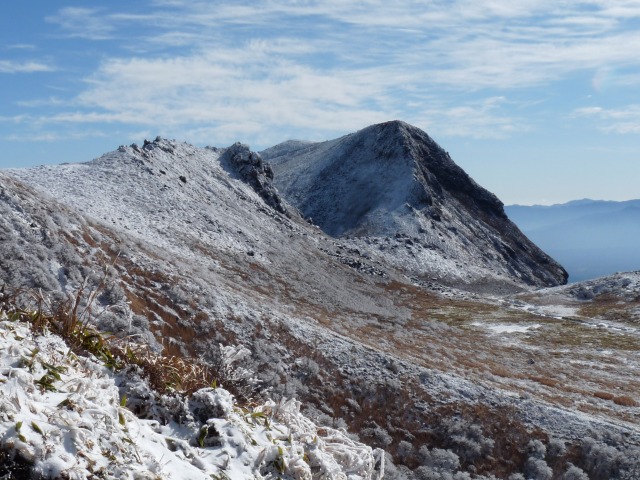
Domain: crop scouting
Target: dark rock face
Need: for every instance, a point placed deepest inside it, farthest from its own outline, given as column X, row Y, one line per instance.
column 392, row 179
column 441, row 174
column 250, row 167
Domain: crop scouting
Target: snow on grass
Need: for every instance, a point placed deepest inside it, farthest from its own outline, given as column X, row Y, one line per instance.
column 63, row 414
column 556, row 311
column 507, row 328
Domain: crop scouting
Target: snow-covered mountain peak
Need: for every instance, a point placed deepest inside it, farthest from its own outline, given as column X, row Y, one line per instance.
column 393, row 181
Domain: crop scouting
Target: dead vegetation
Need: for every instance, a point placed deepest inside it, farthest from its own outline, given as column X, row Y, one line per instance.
column 72, row 321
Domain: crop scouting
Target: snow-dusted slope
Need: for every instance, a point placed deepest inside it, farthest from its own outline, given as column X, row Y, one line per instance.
column 192, row 208
column 78, row 427
column 405, row 201
column 161, row 192
column 196, row 248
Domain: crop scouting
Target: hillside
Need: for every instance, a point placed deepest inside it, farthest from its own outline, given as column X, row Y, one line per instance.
column 190, row 248
column 396, row 194
column 589, row 238
column 85, row 420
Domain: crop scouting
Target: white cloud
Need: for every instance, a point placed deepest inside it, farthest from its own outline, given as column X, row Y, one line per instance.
column 264, row 68
column 49, row 102
column 10, row 66
column 33, row 137
column 81, row 22
column 234, row 91
column 488, row 118
column 17, row 119
column 621, row 120
column 464, row 44
column 20, row 46
column 51, row 136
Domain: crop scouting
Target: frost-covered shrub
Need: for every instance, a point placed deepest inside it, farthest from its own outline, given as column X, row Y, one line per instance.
column 307, row 367
column 537, row 469
column 353, row 405
column 556, row 448
column 266, row 361
column 466, row 439
column 395, row 472
column 584, row 294
column 392, row 385
column 293, row 388
column 439, row 460
column 140, row 322
column 340, row 423
column 467, row 476
column 232, row 367
column 574, row 473
column 600, row 460
column 404, row 450
column 324, row 420
column 19, row 268
column 536, row 449
column 376, row 436
column 147, row 403
column 425, row 473
column 516, row 476
column 71, row 262
column 110, row 322
column 177, row 295
column 208, row 403
column 112, row 294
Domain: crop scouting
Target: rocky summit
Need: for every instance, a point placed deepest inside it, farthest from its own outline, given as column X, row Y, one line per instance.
column 397, row 194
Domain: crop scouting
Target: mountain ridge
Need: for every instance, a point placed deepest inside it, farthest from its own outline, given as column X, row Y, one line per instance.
column 189, row 255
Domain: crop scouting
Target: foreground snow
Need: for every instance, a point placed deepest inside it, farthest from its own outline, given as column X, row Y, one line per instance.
column 62, row 414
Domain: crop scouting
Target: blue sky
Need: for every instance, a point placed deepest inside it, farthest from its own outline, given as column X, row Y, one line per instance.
column 538, row 100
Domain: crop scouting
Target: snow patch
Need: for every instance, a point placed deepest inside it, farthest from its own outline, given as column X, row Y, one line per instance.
column 507, row 328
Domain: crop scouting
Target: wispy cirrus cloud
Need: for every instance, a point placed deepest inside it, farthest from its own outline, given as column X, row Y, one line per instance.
column 485, row 118
column 614, row 120
column 20, row 46
column 12, row 66
column 54, row 136
column 461, row 44
column 82, row 22
column 264, row 68
column 244, row 90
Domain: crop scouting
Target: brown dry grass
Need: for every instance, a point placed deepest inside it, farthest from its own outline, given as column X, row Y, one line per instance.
column 611, row 307
column 625, row 400
column 604, row 395
column 549, row 382
column 164, row 373
column 561, row 356
column 500, row 424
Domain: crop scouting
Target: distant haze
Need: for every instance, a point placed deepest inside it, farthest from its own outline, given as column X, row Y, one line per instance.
column 589, row 238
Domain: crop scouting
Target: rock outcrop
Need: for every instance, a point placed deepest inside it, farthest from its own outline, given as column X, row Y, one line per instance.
column 250, row 168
